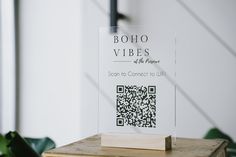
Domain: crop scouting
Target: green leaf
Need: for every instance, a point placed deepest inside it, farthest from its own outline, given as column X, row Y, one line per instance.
column 13, row 145
column 40, row 144
column 216, row 133
column 18, row 146
column 3, row 146
column 4, row 151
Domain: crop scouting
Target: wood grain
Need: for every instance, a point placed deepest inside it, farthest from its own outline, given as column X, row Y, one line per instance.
column 91, row 147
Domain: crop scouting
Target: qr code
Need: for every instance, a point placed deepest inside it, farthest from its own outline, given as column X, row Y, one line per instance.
column 136, row 106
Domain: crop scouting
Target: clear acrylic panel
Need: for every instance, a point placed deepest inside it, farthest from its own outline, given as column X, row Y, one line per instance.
column 137, row 81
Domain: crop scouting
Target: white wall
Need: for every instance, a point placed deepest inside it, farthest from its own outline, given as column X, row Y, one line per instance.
column 59, row 41
column 206, row 68
column 50, row 36
column 7, row 66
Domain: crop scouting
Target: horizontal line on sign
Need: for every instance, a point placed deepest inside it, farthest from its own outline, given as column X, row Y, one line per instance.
column 121, row 61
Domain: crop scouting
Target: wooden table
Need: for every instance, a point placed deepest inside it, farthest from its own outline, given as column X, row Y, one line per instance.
column 90, row 147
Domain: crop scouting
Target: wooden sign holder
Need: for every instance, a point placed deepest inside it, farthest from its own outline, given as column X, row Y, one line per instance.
column 138, row 141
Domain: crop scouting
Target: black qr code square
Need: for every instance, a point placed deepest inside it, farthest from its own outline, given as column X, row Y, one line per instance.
column 151, row 89
column 120, row 122
column 119, row 89
column 136, row 106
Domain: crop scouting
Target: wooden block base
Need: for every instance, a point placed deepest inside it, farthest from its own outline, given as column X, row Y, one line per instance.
column 139, row 141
